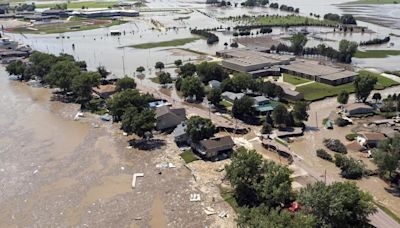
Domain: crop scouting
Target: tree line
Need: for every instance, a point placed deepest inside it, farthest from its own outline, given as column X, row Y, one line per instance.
column 375, row 41
column 211, row 37
column 346, row 19
column 263, row 192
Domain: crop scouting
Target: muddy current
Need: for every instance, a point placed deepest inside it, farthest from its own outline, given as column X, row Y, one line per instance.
column 56, row 172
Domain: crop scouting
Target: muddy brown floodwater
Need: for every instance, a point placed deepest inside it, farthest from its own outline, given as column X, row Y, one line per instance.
column 56, row 172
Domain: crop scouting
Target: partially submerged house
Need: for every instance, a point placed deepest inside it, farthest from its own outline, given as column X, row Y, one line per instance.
column 169, row 118
column 358, row 109
column 214, row 147
column 214, row 84
column 262, row 104
column 105, row 91
column 370, row 139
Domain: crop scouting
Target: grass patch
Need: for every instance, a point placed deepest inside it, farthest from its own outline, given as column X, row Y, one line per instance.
column 70, row 26
column 226, row 104
column 376, row 53
column 351, row 136
column 294, row 80
column 170, row 43
column 388, row 212
column 155, row 80
column 227, row 195
column 188, row 156
column 79, row 5
column 316, row 91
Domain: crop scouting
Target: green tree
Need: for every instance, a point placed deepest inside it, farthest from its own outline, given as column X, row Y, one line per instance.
column 363, row 85
column 61, row 74
column 192, row 87
column 243, row 107
column 280, row 115
column 140, row 69
column 139, row 123
column 178, row 63
column 241, row 82
column 298, row 42
column 120, row 101
column 103, row 71
column 82, row 85
column 264, row 217
column 214, row 96
column 350, row 167
column 16, row 68
column 244, row 173
column 125, row 83
column 300, row 111
column 267, row 128
column 187, row 70
column 337, row 205
column 41, row 63
column 208, row 71
column 387, row 156
column 199, row 128
column 159, row 65
column 343, row 97
column 164, row 78
column 377, row 97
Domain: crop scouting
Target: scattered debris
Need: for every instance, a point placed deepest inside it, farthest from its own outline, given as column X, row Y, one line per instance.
column 129, row 147
column 78, row 115
column 122, row 168
column 124, row 134
column 223, row 214
column 105, row 117
column 210, row 211
column 36, row 171
column 135, row 175
column 195, row 197
column 165, row 165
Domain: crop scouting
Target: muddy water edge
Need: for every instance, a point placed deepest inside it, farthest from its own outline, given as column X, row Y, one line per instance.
column 56, row 172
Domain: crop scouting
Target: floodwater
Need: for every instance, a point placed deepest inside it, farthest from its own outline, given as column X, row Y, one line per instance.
column 56, row 172
column 63, row 173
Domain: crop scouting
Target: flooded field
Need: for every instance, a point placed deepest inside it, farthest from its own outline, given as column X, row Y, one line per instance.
column 58, row 172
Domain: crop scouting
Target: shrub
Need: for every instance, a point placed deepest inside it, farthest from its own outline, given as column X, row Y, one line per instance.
column 351, row 136
column 341, row 122
column 350, row 167
column 324, row 155
column 335, row 145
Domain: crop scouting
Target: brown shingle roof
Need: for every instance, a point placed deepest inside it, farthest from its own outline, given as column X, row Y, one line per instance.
column 104, row 89
column 218, row 144
column 373, row 135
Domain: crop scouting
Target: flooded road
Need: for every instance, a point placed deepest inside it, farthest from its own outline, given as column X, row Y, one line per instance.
column 56, row 172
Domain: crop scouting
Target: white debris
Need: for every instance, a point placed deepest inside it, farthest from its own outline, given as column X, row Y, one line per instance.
column 78, row 115
column 170, row 165
column 36, row 171
column 135, row 175
column 129, row 147
column 223, row 214
column 122, row 168
column 210, row 211
column 1, row 170
column 124, row 134
column 195, row 197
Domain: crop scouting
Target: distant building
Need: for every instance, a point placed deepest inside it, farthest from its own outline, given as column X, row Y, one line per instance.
column 168, row 118
column 211, row 148
column 105, row 13
column 370, row 139
column 320, row 73
column 231, row 97
column 358, row 109
column 57, row 13
column 105, row 91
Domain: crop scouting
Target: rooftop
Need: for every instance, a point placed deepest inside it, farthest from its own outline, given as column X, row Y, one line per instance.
column 218, row 144
column 373, row 135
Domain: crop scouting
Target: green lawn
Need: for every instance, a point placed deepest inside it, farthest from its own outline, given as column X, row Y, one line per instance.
column 317, row 91
column 294, row 80
column 188, row 156
column 70, row 26
column 376, row 53
column 79, row 5
column 155, row 80
column 228, row 196
column 170, row 43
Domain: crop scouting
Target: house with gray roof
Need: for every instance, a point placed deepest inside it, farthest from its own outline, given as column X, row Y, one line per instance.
column 168, row 118
column 231, row 97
